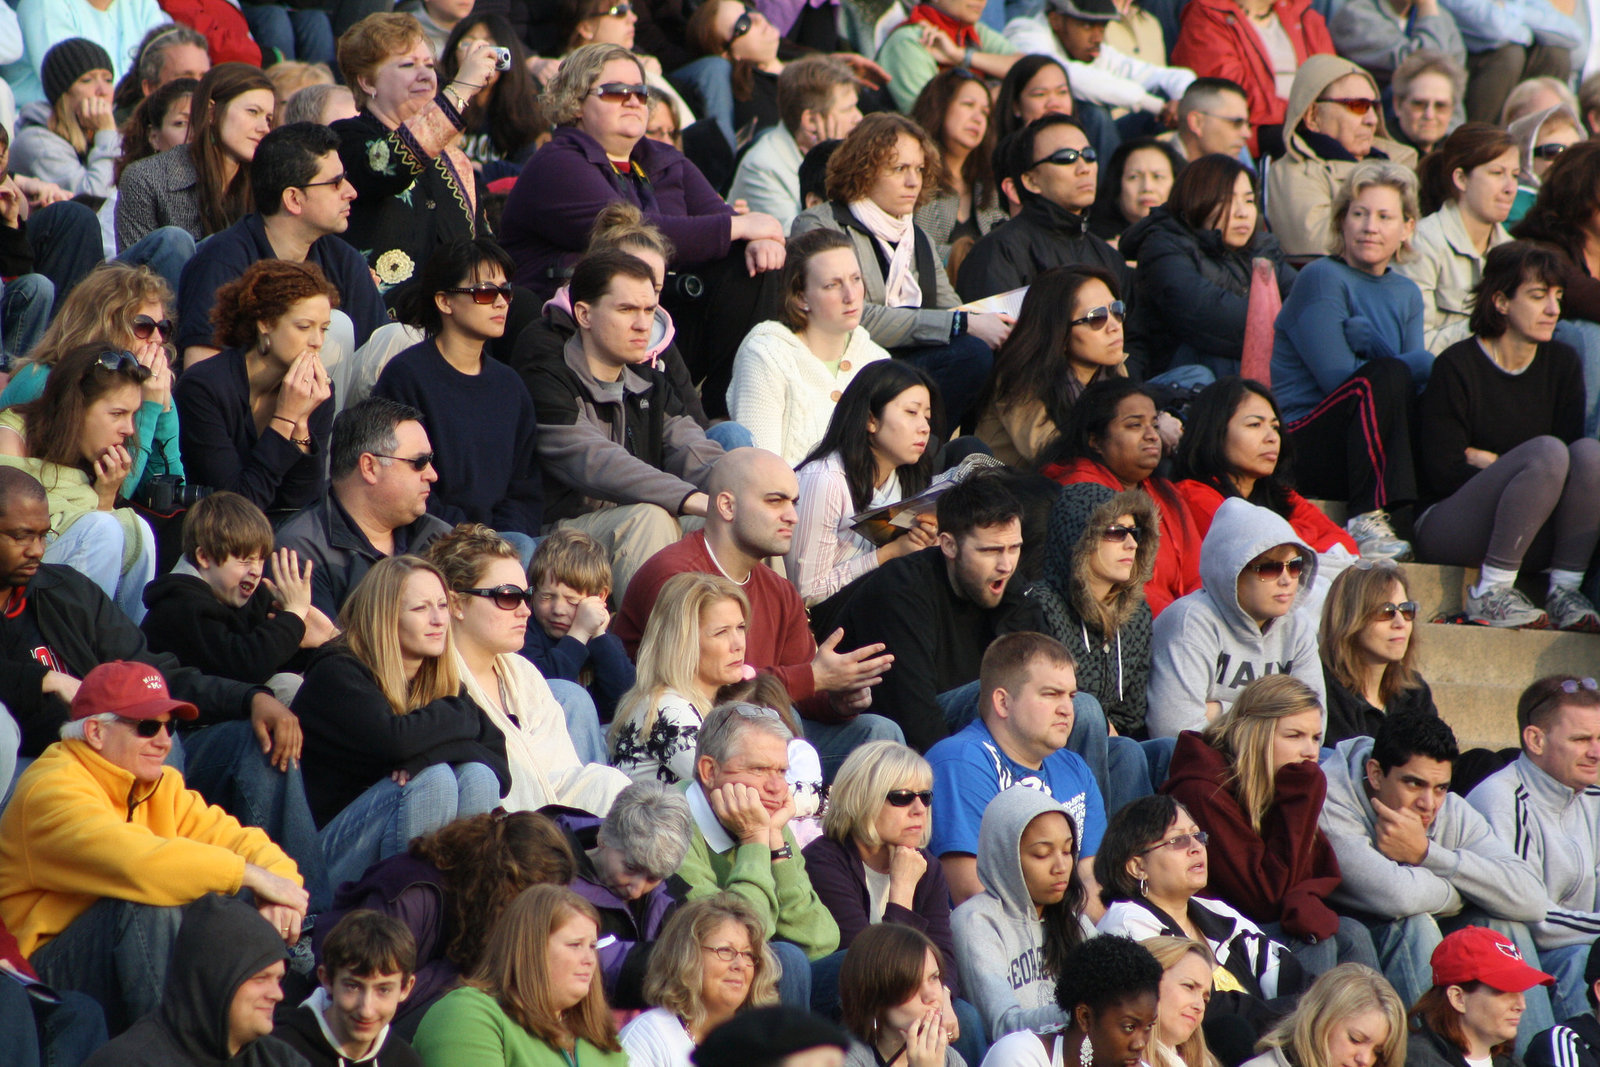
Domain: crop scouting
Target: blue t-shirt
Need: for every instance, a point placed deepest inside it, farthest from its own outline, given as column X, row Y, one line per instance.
column 969, row 770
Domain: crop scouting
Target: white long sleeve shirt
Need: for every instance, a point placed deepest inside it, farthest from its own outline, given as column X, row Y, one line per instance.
column 1113, row 79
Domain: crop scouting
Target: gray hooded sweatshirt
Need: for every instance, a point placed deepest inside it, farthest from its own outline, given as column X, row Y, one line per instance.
column 1208, row 648
column 1465, row 865
column 999, row 935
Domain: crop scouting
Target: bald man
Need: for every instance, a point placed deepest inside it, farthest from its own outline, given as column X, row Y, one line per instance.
column 750, row 516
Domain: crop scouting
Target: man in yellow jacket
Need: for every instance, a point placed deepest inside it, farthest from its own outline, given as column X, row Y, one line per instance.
column 103, row 844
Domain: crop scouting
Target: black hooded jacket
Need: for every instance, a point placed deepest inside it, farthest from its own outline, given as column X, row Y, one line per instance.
column 249, row 643
column 1043, row 235
column 222, row 943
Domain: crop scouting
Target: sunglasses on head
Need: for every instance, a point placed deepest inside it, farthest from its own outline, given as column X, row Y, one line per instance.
column 1268, row 569
column 1548, row 151
column 1356, row 105
column 1115, row 534
column 1066, row 157
column 147, row 728
column 622, row 92
column 1097, row 317
column 505, row 597
column 124, row 363
column 1386, row 612
column 144, row 326
column 1572, row 685
column 418, row 463
column 740, row 28
column 484, row 293
column 902, row 798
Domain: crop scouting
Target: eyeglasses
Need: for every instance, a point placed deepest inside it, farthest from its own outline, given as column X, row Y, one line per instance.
column 418, row 463
column 1572, row 685
column 727, row 954
column 616, row 11
column 1356, row 105
column 1269, row 569
column 1548, row 151
column 144, row 326
column 337, row 179
column 740, row 28
column 485, row 293
column 1386, row 612
column 124, row 362
column 1235, row 122
column 147, row 728
column 1097, row 317
column 1181, row 843
column 1066, row 157
column 1115, row 535
column 505, row 597
column 622, row 92
column 1425, row 106
column 902, row 798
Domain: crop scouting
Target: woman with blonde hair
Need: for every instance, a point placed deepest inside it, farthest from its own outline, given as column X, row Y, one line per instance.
column 694, row 643
column 710, row 963
column 489, row 612
column 127, row 308
column 395, row 750
column 71, row 138
column 1252, row 780
column 1349, row 1015
column 535, row 998
column 1186, row 981
column 1369, row 651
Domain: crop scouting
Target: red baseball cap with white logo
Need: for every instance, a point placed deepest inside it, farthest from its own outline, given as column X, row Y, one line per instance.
column 1478, row 954
column 131, row 690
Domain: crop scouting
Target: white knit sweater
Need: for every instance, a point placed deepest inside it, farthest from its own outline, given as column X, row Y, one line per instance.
column 783, row 394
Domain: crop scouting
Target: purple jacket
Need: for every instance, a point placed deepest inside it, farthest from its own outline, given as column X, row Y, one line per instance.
column 837, row 876
column 628, row 931
column 551, row 209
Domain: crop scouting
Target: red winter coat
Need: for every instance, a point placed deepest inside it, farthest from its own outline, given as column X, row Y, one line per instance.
column 1216, row 40
column 227, row 34
column 1281, row 874
column 1308, row 521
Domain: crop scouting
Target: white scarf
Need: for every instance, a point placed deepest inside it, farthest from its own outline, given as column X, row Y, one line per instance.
column 897, row 237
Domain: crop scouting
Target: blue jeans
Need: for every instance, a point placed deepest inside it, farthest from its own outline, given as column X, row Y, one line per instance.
column 1351, row 944
column 1192, row 375
column 25, row 306
column 93, row 546
column 835, row 741
column 960, row 369
column 10, row 742
column 730, row 435
column 825, row 985
column 1405, row 948
column 712, row 78
column 39, row 1034
column 1584, row 337
column 384, row 820
column 525, row 545
column 295, row 33
column 583, row 720
column 794, row 984
column 225, row 764
column 1566, row 964
column 164, row 250
column 117, row 953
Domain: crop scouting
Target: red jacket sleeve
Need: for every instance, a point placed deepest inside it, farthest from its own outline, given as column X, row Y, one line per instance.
column 1319, row 531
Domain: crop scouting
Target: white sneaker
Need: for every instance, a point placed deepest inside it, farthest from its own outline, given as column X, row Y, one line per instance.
column 1505, row 606
column 1375, row 537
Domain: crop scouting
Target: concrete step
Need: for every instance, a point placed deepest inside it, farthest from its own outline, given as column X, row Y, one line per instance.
column 1477, row 673
column 1481, row 715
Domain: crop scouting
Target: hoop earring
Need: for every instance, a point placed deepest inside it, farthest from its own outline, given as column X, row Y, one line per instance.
column 1141, row 887
column 1086, row 1052
column 266, row 345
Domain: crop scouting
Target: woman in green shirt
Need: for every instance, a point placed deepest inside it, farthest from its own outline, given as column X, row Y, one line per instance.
column 535, row 999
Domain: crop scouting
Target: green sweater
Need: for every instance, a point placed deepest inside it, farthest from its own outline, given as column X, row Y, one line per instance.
column 468, row 1028
column 780, row 892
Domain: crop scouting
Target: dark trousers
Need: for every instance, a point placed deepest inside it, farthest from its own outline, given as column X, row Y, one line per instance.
column 1493, row 74
column 1356, row 445
column 712, row 325
column 959, row 368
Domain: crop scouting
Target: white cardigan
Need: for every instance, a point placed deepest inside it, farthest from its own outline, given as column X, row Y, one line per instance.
column 783, row 394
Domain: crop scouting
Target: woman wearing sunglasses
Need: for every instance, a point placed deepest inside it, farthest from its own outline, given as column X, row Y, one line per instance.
column 415, row 188
column 1511, row 478
column 256, row 419
column 477, row 410
column 127, row 308
column 1540, row 138
column 710, row 963
column 1251, row 779
column 745, row 38
column 1369, row 651
column 489, row 612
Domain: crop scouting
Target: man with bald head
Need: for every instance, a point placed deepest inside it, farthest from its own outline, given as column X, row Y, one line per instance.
column 750, row 517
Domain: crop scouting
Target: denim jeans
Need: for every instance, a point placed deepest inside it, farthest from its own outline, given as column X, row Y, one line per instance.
column 1566, row 964
column 711, row 77
column 1351, row 944
column 225, row 764
column 10, row 742
column 384, row 820
column 583, row 720
column 825, row 985
column 794, row 984
column 525, row 545
column 93, row 546
column 1584, row 337
column 835, row 741
column 25, row 306
column 37, row 1034
column 117, row 953
column 295, row 33
column 1405, row 948
column 1191, row 375
column 730, row 435
column 960, row 369
column 164, row 250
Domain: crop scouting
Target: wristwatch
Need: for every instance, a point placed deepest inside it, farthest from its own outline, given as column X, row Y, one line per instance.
column 784, row 853
column 966, row 57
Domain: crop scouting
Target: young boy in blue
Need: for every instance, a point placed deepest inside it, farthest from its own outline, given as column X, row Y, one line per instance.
column 571, row 580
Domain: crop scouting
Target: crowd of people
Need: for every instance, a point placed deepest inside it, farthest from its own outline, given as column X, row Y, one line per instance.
column 741, row 534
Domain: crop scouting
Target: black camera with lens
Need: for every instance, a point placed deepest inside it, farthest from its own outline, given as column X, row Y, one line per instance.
column 683, row 286
column 168, row 492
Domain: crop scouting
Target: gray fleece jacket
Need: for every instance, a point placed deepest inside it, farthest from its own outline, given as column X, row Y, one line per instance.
column 1465, row 864
column 39, row 152
column 1207, row 647
column 999, row 935
column 1557, row 830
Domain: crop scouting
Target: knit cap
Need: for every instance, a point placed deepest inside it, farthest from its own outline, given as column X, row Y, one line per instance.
column 69, row 61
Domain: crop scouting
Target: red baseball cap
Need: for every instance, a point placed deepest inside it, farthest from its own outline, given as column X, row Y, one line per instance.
column 131, row 690
column 1478, row 954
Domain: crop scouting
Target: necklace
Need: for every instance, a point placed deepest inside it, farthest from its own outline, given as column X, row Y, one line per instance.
column 719, row 567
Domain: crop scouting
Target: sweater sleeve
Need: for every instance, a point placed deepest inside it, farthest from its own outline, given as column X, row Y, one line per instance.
column 758, row 397
column 1290, row 831
column 1375, row 884
column 802, row 917
column 1507, row 816
column 343, row 710
column 521, row 509
column 908, row 693
column 1181, row 665
column 750, row 877
column 1315, row 326
column 1483, row 870
column 821, row 561
column 203, row 636
column 845, row 897
column 464, row 1029
column 207, row 437
column 1444, row 431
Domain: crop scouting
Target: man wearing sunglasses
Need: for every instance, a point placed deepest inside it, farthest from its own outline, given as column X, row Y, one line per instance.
column 302, row 205
column 1213, row 118
column 103, row 845
column 1416, row 859
column 1058, row 187
column 1334, row 121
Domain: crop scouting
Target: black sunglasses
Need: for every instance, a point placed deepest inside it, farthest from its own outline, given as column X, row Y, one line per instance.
column 1115, row 534
column 740, row 28
column 1066, row 157
column 902, row 798
column 418, row 463
column 622, row 92
column 1548, row 151
column 147, row 728
column 124, row 363
column 1386, row 612
column 505, row 597
column 144, row 326
column 617, row 11
column 484, row 293
column 1097, row 317
column 1269, row 569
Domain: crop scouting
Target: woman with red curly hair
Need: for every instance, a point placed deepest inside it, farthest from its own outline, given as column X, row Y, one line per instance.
column 886, row 169
column 256, row 418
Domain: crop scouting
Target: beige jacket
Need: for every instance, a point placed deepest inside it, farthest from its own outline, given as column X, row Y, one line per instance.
column 1446, row 267
column 1016, row 433
column 1301, row 186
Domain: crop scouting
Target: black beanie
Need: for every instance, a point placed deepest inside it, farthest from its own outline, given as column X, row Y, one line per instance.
column 69, row 61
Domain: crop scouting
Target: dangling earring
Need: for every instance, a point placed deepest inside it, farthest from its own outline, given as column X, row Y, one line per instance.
column 1141, row 887
column 266, row 345
column 1086, row 1052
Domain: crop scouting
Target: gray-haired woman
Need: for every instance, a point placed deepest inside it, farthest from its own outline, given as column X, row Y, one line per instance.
column 623, row 864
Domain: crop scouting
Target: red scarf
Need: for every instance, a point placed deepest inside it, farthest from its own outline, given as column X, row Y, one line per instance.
column 962, row 33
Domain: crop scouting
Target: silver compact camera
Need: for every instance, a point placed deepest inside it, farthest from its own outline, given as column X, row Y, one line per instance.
column 502, row 59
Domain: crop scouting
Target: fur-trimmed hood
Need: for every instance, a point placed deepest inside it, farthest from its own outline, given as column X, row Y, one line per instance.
column 1080, row 513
